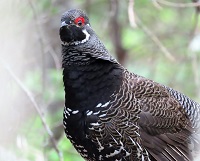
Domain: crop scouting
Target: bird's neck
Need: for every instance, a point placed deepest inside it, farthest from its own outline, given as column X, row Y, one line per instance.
column 90, row 82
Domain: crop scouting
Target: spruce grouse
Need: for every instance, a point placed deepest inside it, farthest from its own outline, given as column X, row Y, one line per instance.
column 111, row 114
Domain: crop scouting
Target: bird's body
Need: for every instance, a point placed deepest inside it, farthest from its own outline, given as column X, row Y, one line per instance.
column 113, row 115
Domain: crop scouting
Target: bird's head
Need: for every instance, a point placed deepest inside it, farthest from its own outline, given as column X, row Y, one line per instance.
column 77, row 34
column 74, row 27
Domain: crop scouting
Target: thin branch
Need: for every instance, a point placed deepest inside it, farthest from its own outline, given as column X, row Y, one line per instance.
column 156, row 4
column 54, row 56
column 178, row 5
column 44, row 46
column 195, row 24
column 35, row 105
column 113, row 8
column 41, row 43
column 156, row 40
column 131, row 14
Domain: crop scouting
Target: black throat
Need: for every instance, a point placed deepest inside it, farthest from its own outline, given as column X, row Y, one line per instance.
column 89, row 81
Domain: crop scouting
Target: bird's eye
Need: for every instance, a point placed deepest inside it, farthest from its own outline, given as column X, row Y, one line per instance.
column 80, row 21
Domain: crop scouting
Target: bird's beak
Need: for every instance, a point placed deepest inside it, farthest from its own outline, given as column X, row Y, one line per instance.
column 66, row 34
column 63, row 24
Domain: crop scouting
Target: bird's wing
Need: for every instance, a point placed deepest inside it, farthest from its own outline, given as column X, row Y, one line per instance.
column 164, row 126
column 142, row 116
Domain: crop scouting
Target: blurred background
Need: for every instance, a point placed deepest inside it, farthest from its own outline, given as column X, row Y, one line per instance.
column 157, row 39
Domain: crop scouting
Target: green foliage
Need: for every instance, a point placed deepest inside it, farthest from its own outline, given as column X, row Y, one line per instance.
column 132, row 39
column 33, row 81
column 56, row 89
column 69, row 154
column 53, row 84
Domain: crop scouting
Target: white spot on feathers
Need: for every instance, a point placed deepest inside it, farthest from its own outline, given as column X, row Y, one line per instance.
column 75, row 112
column 95, row 124
column 99, row 105
column 100, row 146
column 106, row 104
column 89, row 113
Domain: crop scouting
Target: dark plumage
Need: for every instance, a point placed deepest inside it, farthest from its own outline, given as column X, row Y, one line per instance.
column 113, row 115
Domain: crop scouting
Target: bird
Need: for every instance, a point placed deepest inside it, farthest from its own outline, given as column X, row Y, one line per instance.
column 111, row 114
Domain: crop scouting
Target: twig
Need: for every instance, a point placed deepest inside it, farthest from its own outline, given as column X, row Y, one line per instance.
column 45, row 48
column 156, row 40
column 113, row 8
column 41, row 43
column 195, row 24
column 35, row 105
column 54, row 56
column 156, row 4
column 131, row 14
column 178, row 5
